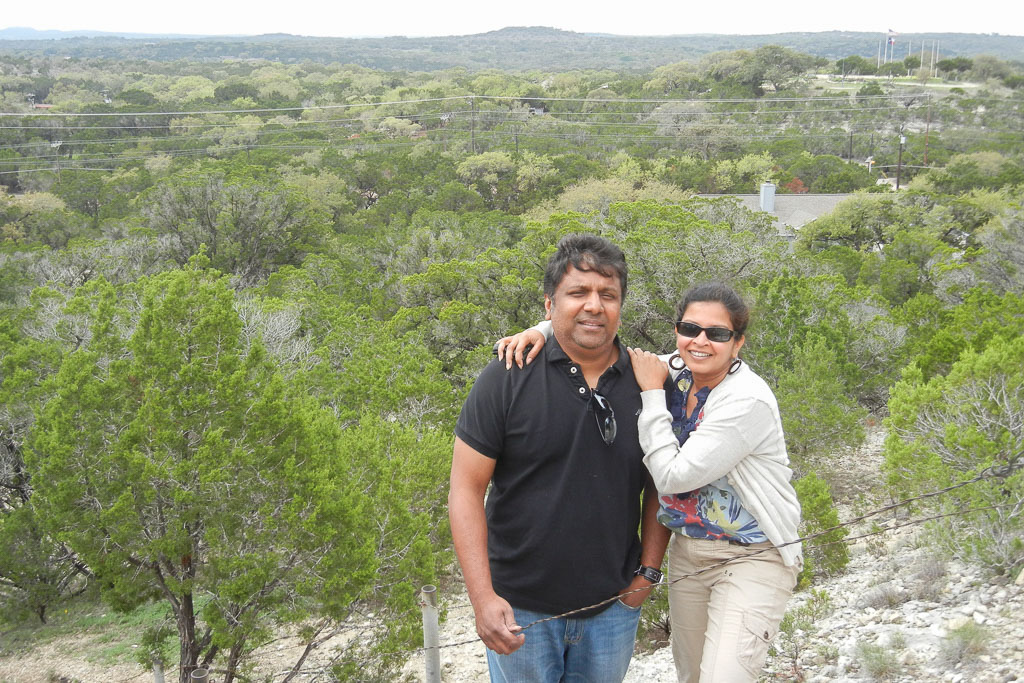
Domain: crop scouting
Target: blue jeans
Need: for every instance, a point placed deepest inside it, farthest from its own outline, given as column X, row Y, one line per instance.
column 592, row 650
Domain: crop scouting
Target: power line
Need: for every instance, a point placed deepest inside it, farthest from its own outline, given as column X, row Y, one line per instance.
column 896, row 97
column 238, row 111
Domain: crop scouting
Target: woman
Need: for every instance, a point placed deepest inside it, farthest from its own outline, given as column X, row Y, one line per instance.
column 713, row 443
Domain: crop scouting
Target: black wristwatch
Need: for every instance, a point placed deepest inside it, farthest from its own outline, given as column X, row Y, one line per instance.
column 650, row 573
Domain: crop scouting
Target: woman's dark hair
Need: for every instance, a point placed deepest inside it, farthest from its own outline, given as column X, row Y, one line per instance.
column 718, row 292
column 584, row 252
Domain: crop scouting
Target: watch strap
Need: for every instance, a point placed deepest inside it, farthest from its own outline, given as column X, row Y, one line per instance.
column 650, row 573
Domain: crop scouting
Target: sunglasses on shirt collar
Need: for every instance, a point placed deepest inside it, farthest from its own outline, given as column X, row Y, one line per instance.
column 605, row 417
column 715, row 334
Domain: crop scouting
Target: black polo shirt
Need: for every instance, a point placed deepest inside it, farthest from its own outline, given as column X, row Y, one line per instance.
column 563, row 510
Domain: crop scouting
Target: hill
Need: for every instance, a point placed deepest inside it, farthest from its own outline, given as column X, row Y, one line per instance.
column 517, row 48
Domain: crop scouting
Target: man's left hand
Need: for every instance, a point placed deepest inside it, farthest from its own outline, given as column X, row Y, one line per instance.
column 635, row 599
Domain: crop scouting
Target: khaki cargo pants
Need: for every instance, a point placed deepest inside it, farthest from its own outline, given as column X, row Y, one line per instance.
column 724, row 619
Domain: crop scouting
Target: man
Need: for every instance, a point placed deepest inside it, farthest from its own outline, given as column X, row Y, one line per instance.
column 558, row 532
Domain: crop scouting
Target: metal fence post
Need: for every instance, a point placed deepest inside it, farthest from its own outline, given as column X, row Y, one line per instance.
column 431, row 640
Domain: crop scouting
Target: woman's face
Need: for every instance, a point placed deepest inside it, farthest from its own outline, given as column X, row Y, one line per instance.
column 708, row 360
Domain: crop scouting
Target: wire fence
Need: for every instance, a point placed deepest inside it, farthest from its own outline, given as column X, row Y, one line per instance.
column 995, row 471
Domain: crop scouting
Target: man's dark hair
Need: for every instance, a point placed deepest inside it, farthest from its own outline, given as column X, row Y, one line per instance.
column 584, row 252
column 718, row 292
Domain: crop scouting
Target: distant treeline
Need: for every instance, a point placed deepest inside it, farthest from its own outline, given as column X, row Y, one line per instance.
column 516, row 49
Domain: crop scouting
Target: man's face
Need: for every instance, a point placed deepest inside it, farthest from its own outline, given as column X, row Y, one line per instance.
column 584, row 310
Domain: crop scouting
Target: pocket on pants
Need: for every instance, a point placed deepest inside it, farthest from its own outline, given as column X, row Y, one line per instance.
column 754, row 640
column 629, row 607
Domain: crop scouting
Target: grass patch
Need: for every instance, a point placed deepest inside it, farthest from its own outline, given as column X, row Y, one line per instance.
column 964, row 643
column 929, row 579
column 86, row 617
column 877, row 661
column 114, row 653
column 884, row 596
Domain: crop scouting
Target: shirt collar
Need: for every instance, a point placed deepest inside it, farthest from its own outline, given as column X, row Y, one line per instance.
column 555, row 354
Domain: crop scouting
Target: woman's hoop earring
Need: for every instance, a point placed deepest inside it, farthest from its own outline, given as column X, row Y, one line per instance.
column 734, row 366
column 672, row 362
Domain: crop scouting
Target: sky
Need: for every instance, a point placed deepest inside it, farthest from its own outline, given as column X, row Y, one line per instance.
column 360, row 18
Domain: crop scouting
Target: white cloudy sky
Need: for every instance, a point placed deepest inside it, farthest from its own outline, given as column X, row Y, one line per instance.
column 460, row 17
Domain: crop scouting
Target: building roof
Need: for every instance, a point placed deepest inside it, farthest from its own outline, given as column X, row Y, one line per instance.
column 792, row 211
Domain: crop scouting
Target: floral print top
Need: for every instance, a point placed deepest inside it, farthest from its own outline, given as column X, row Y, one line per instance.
column 715, row 510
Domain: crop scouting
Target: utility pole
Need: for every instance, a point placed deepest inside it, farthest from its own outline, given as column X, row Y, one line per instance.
column 927, row 129
column 899, row 161
column 472, row 125
column 56, row 155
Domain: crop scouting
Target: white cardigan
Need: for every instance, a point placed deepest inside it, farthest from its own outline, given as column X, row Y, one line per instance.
column 740, row 437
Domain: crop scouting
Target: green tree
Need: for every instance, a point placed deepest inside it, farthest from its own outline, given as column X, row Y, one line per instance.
column 864, row 222
column 503, row 181
column 744, row 175
column 178, row 463
column 829, row 174
column 819, row 416
column 39, row 217
column 83, row 192
column 827, row 554
column 1001, row 261
column 777, row 66
column 982, row 318
column 855, row 65
column 788, row 309
column 675, row 78
column 948, row 429
column 955, row 66
column 250, row 225
column 36, row 570
column 976, row 170
column 671, row 246
column 871, row 89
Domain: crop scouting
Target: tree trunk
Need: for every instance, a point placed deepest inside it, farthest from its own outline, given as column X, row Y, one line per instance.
column 189, row 651
column 234, row 656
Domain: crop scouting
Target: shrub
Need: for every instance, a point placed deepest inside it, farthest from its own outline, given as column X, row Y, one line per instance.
column 826, row 554
column 796, row 627
column 948, row 429
column 818, row 414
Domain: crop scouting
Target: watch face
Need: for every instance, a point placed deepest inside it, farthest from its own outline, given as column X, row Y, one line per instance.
column 650, row 573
